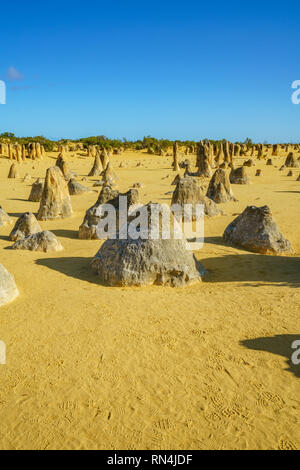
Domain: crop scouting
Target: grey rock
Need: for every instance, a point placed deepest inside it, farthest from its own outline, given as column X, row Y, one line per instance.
column 219, row 189
column 188, row 191
column 239, row 176
column 87, row 229
column 76, row 188
column 26, row 225
column 255, row 230
column 42, row 241
column 36, row 191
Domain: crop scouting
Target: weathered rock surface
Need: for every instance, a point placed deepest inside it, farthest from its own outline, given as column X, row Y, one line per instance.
column 76, row 188
column 36, row 191
column 255, row 230
column 291, row 161
column 4, row 218
column 188, row 191
column 13, row 171
column 219, row 189
column 239, row 176
column 42, row 241
column 87, row 229
column 97, row 167
column 142, row 261
column 8, row 288
column 55, row 201
column 26, row 225
column 64, row 167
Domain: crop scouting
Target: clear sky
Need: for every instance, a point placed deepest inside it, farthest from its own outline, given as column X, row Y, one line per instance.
column 173, row 69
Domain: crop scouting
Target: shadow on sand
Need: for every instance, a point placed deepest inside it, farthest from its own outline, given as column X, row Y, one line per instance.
column 260, row 269
column 77, row 267
column 73, row 234
column 278, row 344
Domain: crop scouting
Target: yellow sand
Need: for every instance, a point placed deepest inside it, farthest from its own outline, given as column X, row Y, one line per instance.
column 204, row 367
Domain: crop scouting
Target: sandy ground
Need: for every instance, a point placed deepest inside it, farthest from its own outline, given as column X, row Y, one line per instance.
column 204, row 367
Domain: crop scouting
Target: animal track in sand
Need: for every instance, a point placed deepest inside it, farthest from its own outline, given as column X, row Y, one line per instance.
column 286, row 444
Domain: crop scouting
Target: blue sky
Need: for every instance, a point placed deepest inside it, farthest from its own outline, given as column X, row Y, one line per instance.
column 185, row 70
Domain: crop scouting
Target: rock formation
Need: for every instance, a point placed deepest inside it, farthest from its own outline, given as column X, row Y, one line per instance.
column 26, row 225
column 76, row 188
column 42, row 241
column 8, row 288
column 219, row 189
column 63, row 166
column 97, row 167
column 145, row 261
column 36, row 191
column 239, row 176
column 13, row 171
column 88, row 229
column 4, row 218
column 255, row 230
column 188, row 191
column 291, row 161
column 55, row 201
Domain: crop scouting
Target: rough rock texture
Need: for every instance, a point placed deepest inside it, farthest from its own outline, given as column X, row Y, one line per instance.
column 4, row 218
column 26, row 178
column 97, row 167
column 88, row 228
column 8, row 288
column 249, row 163
column 36, row 191
column 26, row 225
column 188, row 191
column 146, row 261
column 219, row 189
column 239, row 176
column 291, row 161
column 109, row 176
column 176, row 180
column 42, row 241
column 13, row 171
column 76, row 188
column 55, row 201
column 255, row 230
column 64, row 167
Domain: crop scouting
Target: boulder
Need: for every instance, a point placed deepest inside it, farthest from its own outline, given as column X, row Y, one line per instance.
column 146, row 261
column 188, row 191
column 76, row 188
column 8, row 288
column 42, row 241
column 291, row 161
column 36, row 191
column 26, row 225
column 88, row 228
column 4, row 218
column 13, row 171
column 239, row 176
column 255, row 230
column 219, row 189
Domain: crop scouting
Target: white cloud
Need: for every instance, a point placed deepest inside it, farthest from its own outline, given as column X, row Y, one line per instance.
column 13, row 74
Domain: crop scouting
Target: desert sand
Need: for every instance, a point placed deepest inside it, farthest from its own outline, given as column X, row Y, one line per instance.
column 202, row 367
